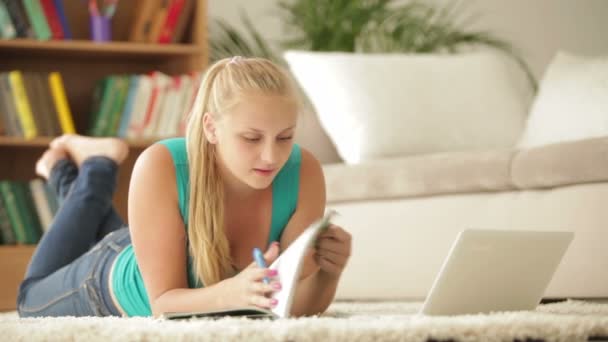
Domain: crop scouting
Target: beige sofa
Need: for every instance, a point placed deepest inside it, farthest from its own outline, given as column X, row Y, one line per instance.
column 404, row 212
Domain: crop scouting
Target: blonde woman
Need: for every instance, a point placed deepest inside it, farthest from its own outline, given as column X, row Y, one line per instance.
column 197, row 207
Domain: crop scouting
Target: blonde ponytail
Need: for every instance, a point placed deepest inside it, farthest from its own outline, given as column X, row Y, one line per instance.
column 222, row 84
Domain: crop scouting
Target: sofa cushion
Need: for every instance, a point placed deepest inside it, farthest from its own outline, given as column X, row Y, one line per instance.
column 376, row 106
column 560, row 164
column 572, row 102
column 419, row 176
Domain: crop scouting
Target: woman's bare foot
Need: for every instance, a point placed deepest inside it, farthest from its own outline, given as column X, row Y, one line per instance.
column 47, row 161
column 80, row 147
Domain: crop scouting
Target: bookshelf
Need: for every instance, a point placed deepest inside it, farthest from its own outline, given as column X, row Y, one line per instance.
column 81, row 63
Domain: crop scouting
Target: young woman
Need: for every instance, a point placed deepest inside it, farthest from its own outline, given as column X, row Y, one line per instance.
column 197, row 207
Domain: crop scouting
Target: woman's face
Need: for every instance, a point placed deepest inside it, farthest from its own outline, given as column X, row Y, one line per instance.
column 255, row 138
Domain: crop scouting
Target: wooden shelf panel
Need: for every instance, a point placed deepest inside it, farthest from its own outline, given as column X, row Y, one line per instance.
column 13, row 262
column 43, row 142
column 87, row 48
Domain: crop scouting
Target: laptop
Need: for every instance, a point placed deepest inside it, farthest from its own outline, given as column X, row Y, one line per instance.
column 496, row 270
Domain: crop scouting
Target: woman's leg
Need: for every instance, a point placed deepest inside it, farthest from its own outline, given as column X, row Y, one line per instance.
column 74, row 228
column 61, row 178
column 88, row 200
column 56, row 261
column 81, row 288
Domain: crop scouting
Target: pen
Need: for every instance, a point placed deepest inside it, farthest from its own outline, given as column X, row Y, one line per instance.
column 259, row 259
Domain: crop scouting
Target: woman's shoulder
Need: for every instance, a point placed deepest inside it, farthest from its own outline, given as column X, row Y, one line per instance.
column 302, row 168
column 177, row 149
column 155, row 162
column 310, row 168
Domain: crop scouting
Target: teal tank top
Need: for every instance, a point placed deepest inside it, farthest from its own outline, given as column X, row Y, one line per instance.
column 127, row 282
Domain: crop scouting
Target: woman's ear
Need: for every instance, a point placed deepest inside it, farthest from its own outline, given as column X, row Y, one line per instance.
column 209, row 128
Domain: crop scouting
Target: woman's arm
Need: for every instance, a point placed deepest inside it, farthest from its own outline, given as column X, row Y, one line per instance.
column 316, row 287
column 159, row 240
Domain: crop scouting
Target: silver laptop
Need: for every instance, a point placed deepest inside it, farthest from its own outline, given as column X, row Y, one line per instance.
column 496, row 270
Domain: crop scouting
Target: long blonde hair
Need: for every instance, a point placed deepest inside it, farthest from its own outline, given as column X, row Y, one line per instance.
column 222, row 85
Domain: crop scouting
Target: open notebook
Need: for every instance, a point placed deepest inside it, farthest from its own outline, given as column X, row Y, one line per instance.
column 288, row 265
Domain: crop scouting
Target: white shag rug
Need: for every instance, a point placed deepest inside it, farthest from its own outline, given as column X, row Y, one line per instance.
column 571, row 320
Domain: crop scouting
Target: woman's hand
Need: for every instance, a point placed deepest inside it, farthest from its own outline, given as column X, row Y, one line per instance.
column 332, row 250
column 248, row 288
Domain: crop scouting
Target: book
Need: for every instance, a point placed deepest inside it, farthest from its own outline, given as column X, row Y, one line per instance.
column 60, row 100
column 52, row 17
column 177, row 36
column 6, row 230
column 128, row 108
column 19, row 19
column 63, row 20
column 41, row 204
column 22, row 104
column 7, row 28
column 288, row 265
column 34, row 11
column 173, row 14
column 7, row 105
column 142, row 23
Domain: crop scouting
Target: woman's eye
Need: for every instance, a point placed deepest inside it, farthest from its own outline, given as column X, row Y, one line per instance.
column 251, row 139
column 285, row 138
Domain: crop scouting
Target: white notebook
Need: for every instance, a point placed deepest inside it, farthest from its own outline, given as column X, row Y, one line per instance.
column 288, row 265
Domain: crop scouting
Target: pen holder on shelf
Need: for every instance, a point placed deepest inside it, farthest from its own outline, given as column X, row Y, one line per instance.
column 101, row 28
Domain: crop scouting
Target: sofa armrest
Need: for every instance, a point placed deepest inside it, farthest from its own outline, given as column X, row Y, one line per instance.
column 560, row 164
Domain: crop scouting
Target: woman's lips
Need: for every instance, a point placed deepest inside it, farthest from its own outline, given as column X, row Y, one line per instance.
column 264, row 172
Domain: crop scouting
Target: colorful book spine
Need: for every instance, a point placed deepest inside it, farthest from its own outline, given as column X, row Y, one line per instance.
column 121, row 88
column 7, row 28
column 7, row 102
column 27, row 212
column 102, row 121
column 52, row 17
column 61, row 103
column 127, row 111
column 19, row 18
column 24, row 111
column 37, row 19
column 6, row 231
column 43, row 210
column 65, row 26
column 175, row 10
column 12, row 209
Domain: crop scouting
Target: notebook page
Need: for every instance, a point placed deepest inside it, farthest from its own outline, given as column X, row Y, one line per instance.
column 289, row 265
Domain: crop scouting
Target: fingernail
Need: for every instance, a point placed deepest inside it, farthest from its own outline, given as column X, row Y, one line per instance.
column 276, row 243
column 276, row 286
column 274, row 302
column 272, row 273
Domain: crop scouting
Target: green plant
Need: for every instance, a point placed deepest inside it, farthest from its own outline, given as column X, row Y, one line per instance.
column 225, row 41
column 384, row 26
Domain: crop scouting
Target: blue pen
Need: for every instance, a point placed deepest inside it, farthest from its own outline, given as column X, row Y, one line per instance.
column 259, row 259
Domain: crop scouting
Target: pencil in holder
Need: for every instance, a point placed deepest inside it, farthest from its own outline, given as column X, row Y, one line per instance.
column 101, row 28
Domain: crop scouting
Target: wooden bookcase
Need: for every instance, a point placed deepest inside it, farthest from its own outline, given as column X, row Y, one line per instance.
column 81, row 63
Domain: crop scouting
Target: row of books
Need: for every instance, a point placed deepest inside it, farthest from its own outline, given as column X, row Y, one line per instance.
column 34, row 104
column 156, row 21
column 150, row 106
column 161, row 21
column 27, row 209
column 37, row 19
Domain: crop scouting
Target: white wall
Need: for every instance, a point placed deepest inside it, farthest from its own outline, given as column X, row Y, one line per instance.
column 538, row 27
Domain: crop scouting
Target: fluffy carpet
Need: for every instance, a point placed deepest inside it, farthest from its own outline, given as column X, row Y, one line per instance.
column 571, row 320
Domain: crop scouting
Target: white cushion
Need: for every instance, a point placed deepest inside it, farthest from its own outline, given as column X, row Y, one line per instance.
column 572, row 102
column 383, row 105
column 311, row 136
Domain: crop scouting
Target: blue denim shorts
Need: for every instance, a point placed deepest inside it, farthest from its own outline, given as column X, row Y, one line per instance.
column 80, row 288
